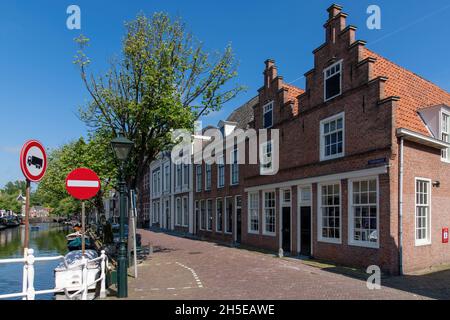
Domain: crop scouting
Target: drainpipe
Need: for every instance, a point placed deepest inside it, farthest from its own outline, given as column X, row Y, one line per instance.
column 400, row 210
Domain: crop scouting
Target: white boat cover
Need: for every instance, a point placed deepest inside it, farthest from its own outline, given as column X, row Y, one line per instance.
column 73, row 258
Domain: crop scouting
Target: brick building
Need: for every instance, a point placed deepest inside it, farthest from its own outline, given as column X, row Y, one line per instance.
column 363, row 160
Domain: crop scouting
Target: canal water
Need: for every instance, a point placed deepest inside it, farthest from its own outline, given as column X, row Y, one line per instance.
column 49, row 240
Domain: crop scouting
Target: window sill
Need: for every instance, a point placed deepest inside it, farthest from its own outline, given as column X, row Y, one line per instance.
column 333, row 97
column 253, row 232
column 367, row 245
column 330, row 241
column 337, row 156
column 422, row 243
column 269, row 234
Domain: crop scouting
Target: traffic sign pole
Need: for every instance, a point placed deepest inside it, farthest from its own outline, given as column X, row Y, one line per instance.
column 27, row 217
column 83, row 227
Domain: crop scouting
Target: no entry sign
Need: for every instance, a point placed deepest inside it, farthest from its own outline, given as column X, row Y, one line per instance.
column 33, row 160
column 82, row 184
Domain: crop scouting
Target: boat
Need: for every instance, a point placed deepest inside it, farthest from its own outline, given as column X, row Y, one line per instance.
column 73, row 236
column 34, row 228
column 2, row 226
column 76, row 244
column 71, row 278
column 10, row 222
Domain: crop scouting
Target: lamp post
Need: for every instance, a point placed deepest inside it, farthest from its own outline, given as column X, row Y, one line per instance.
column 122, row 147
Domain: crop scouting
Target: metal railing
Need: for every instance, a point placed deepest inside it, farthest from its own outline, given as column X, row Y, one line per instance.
column 28, row 290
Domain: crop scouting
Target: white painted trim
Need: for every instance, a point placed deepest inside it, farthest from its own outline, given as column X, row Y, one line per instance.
column 264, row 113
column 249, row 221
column 301, row 204
column 350, row 215
column 262, row 148
column 319, row 179
column 322, row 133
column 225, row 215
column 282, row 205
column 183, row 223
column 217, row 220
column 207, row 216
column 320, row 238
column 421, row 242
column 206, row 177
column 264, row 232
column 325, row 79
column 422, row 139
column 218, row 172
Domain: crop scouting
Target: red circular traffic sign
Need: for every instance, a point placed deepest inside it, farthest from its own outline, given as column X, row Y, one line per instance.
column 33, row 160
column 82, row 184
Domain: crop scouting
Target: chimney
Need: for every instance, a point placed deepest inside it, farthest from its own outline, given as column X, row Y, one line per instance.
column 337, row 21
column 270, row 72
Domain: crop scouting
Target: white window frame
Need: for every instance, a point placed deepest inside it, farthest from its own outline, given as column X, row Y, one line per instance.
column 234, row 166
column 203, row 214
column 178, row 210
column 198, row 181
column 166, row 177
column 325, row 78
column 351, row 217
column 320, row 238
column 208, row 177
column 322, row 137
column 220, row 167
column 185, row 211
column 268, row 107
column 262, row 155
column 227, row 200
column 249, row 213
column 209, row 210
column 178, row 178
column 186, row 175
column 265, row 232
column 217, row 215
column 441, row 134
column 427, row 241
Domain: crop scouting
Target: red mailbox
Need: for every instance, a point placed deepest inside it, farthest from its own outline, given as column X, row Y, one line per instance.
column 444, row 235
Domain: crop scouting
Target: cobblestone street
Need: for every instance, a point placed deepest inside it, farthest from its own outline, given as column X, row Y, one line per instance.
column 183, row 268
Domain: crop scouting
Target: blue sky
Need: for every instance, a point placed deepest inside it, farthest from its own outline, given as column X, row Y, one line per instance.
column 40, row 88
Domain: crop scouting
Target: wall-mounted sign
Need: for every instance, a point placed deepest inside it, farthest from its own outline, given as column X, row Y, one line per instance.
column 444, row 235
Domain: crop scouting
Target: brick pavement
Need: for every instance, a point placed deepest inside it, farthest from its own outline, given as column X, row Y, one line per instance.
column 184, row 268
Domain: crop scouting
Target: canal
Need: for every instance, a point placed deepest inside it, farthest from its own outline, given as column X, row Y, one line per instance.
column 49, row 240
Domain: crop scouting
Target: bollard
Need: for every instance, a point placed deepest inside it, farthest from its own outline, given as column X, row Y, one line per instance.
column 103, row 275
column 30, row 273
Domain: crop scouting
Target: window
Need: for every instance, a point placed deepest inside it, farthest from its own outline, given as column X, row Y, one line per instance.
column 198, row 180
column 179, row 216
column 209, row 215
column 202, row 215
column 333, row 81
column 156, row 182
column 423, row 224
column 330, row 213
column 197, row 213
column 266, row 158
column 253, row 212
column 185, row 212
column 234, row 166
column 167, row 177
column 268, row 115
column 332, row 137
column 207, row 177
column 269, row 212
column 219, row 215
column 155, row 213
column 363, row 214
column 228, row 215
column 179, row 176
column 445, row 133
column 185, row 175
column 220, row 173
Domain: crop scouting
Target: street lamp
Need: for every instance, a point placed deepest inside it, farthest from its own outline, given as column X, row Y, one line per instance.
column 122, row 147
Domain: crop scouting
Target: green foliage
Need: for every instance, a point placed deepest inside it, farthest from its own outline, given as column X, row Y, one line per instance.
column 164, row 80
column 95, row 154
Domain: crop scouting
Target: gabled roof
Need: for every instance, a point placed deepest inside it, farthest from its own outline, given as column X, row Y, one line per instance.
column 243, row 115
column 414, row 91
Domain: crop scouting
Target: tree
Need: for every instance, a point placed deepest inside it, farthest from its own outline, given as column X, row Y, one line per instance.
column 95, row 155
column 164, row 80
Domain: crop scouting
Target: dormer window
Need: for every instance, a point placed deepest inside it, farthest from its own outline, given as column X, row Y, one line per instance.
column 268, row 115
column 333, row 81
column 445, row 134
